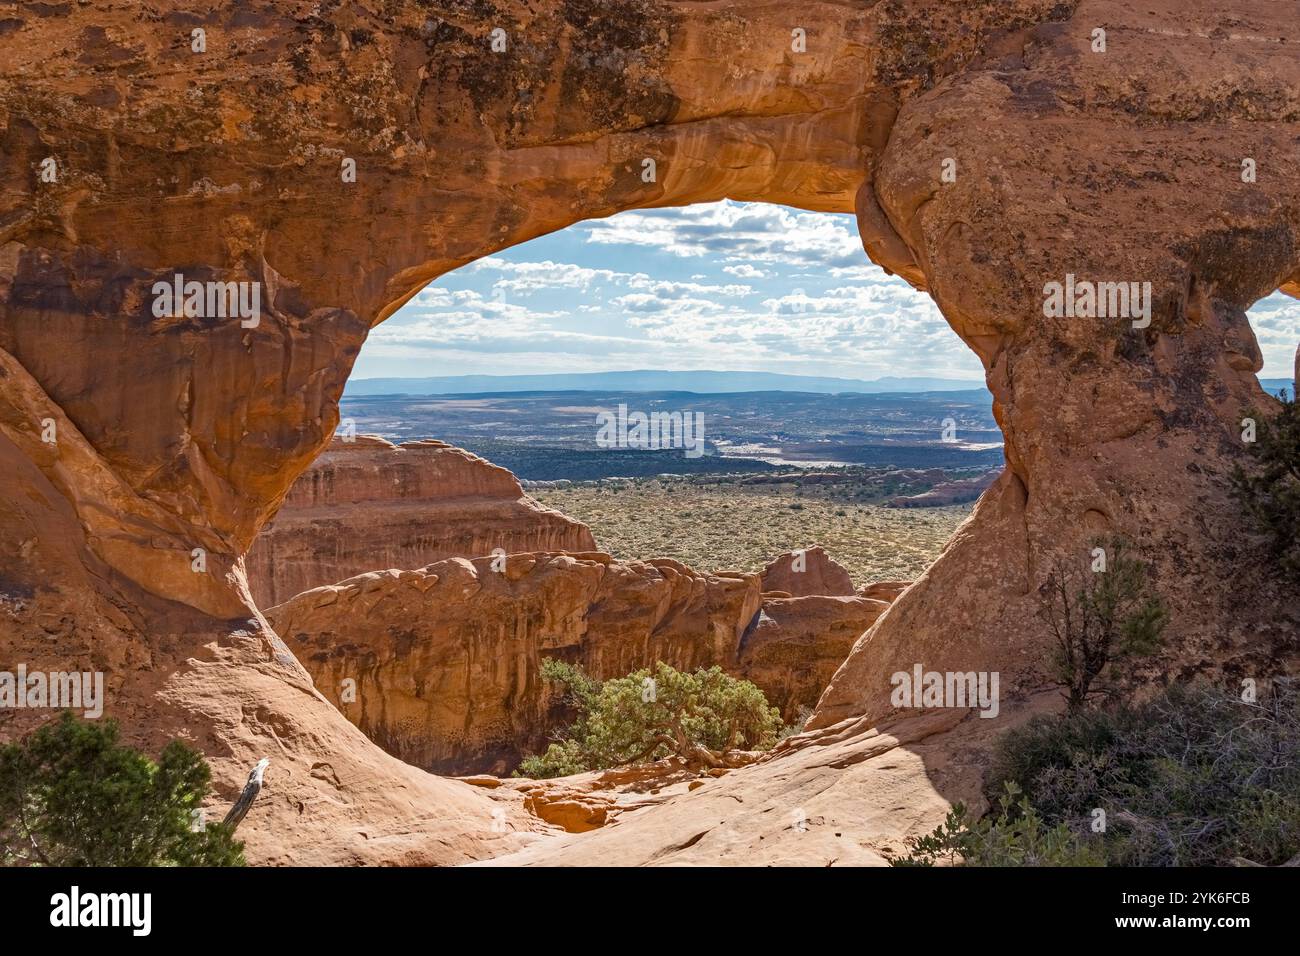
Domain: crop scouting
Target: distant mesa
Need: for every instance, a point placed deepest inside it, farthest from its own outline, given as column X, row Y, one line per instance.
column 369, row 504
column 697, row 382
column 1275, row 386
column 957, row 491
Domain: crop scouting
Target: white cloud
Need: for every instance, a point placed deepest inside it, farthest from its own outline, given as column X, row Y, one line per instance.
column 628, row 303
column 737, row 232
column 1276, row 321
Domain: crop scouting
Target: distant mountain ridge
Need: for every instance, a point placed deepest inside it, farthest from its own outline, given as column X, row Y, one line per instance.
column 699, row 382
column 649, row 380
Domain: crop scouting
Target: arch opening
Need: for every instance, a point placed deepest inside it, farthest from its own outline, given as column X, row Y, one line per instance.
column 715, row 299
column 727, row 386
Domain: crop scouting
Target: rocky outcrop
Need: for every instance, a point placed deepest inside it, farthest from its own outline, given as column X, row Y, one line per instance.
column 588, row 801
column 445, row 660
column 844, row 796
column 440, row 666
column 367, row 504
column 805, row 572
column 953, row 492
column 142, row 449
column 884, row 590
column 796, row 644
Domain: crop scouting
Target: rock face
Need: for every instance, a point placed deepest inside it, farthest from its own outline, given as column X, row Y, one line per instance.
column 986, row 146
column 445, row 659
column 369, row 504
column 842, row 796
column 884, row 590
column 796, row 644
column 805, row 572
column 440, row 666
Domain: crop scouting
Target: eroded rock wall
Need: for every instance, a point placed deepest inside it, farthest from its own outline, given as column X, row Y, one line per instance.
column 367, row 505
column 796, row 644
column 441, row 665
column 177, row 433
column 1126, row 165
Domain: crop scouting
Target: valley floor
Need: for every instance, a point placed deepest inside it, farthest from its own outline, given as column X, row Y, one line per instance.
column 741, row 528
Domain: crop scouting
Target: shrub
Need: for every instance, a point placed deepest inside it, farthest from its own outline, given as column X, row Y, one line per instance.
column 1196, row 777
column 1270, row 491
column 797, row 726
column 1097, row 618
column 1017, row 836
column 70, row 795
column 651, row 714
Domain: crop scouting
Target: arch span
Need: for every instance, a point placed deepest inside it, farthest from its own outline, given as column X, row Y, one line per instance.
column 177, row 433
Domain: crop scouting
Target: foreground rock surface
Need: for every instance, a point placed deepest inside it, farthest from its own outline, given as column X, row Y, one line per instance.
column 440, row 665
column 367, row 504
column 843, row 796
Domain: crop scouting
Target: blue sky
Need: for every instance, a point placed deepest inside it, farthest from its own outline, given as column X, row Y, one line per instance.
column 737, row 286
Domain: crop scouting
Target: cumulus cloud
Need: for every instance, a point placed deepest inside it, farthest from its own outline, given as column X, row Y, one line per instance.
column 1276, row 321
column 763, row 288
column 737, row 232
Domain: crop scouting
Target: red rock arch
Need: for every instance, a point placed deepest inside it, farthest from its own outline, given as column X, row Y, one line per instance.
column 183, row 434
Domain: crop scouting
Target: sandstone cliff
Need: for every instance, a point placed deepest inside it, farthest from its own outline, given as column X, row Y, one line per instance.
column 367, row 504
column 440, row 666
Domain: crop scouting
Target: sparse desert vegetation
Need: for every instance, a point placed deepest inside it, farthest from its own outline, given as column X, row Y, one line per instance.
column 72, row 795
column 702, row 718
column 723, row 524
column 1197, row 776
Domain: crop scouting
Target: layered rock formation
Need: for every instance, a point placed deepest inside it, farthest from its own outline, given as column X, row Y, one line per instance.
column 368, row 504
column 988, row 147
column 441, row 666
column 884, row 590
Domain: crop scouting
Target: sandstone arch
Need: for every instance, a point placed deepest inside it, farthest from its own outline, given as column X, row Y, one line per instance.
column 175, row 434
